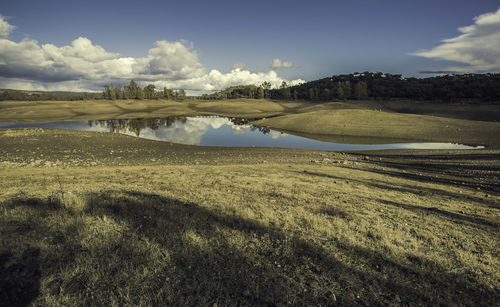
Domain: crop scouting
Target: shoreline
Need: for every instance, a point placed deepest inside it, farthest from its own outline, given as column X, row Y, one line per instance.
column 268, row 225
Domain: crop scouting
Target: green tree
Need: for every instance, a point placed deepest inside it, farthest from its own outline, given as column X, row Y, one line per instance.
column 131, row 90
column 311, row 93
column 325, row 94
column 149, row 91
column 181, row 94
column 260, row 92
column 140, row 93
column 347, row 89
column 106, row 93
column 361, row 90
column 266, row 85
column 285, row 90
column 110, row 92
column 119, row 92
column 340, row 90
column 316, row 93
column 167, row 93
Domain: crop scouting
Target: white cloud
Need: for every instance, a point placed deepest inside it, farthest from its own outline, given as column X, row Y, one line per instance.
column 277, row 63
column 276, row 134
column 173, row 60
column 240, row 66
column 86, row 66
column 215, row 80
column 478, row 46
column 5, row 27
column 75, row 85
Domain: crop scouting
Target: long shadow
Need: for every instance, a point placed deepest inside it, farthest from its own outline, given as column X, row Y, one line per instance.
column 457, row 218
column 485, row 187
column 465, row 174
column 420, row 191
column 377, row 184
column 437, row 157
column 266, row 267
column 19, row 277
column 409, row 188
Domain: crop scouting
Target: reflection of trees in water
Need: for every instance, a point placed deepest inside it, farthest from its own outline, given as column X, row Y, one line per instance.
column 246, row 121
column 136, row 125
column 240, row 121
column 139, row 124
column 264, row 130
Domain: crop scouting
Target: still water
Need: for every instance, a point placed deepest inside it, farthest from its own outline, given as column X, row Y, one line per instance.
column 219, row 131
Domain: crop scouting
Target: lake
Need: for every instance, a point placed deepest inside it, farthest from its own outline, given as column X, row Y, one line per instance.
column 222, row 131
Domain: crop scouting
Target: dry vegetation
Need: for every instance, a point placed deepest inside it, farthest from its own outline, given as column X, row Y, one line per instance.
column 182, row 225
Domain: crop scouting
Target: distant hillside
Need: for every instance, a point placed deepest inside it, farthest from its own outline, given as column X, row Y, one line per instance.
column 367, row 85
column 480, row 87
column 8, row 94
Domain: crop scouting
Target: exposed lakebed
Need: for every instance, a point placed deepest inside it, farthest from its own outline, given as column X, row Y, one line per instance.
column 221, row 131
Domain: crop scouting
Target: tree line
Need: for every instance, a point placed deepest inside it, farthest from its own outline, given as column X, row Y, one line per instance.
column 110, row 92
column 133, row 91
column 366, row 85
column 45, row 96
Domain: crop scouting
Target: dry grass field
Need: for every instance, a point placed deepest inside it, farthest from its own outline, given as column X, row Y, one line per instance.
column 104, row 219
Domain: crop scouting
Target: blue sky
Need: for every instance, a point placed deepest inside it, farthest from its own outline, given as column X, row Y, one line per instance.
column 317, row 38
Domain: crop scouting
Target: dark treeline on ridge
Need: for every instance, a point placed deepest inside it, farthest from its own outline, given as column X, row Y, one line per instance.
column 448, row 88
column 366, row 85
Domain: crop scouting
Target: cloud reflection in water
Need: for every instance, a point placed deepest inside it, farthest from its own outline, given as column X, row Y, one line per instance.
column 220, row 131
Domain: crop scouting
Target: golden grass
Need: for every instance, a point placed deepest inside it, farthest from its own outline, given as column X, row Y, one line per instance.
column 372, row 123
column 348, row 229
column 104, row 219
column 19, row 111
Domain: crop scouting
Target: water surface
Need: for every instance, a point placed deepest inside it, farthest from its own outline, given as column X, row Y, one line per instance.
column 220, row 131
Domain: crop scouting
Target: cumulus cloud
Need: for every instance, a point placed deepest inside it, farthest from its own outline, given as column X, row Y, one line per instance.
column 173, row 61
column 5, row 27
column 478, row 46
column 83, row 65
column 215, row 80
column 277, row 63
column 240, row 66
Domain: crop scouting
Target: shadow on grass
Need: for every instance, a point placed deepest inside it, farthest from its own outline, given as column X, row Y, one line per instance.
column 436, row 211
column 137, row 248
column 457, row 169
column 19, row 277
column 405, row 188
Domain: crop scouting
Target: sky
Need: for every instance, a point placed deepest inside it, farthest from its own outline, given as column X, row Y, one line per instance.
column 204, row 46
